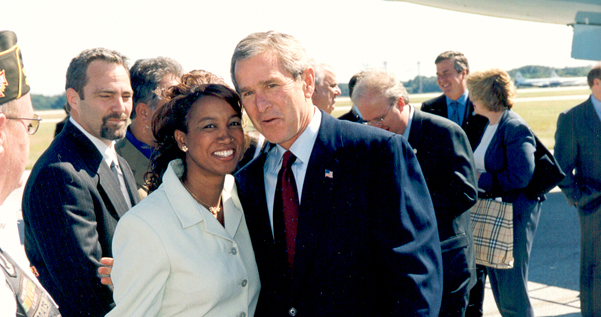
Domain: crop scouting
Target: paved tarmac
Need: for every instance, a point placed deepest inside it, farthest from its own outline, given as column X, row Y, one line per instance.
column 554, row 262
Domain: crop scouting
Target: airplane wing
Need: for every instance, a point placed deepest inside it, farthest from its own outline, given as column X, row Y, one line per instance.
column 583, row 15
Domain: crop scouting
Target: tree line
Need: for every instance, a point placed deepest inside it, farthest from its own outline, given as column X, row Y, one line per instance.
column 41, row 102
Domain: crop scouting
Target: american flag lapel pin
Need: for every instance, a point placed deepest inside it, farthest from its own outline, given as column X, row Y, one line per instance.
column 329, row 174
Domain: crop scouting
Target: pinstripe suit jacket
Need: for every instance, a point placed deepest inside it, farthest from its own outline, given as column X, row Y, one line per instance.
column 71, row 204
column 578, row 151
column 366, row 244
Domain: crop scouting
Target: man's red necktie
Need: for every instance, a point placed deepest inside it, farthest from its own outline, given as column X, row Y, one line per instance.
column 286, row 205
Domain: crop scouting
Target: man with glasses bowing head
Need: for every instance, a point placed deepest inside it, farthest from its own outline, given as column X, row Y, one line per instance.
column 445, row 156
column 330, row 239
column 80, row 187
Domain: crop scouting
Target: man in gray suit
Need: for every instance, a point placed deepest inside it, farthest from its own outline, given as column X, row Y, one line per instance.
column 578, row 151
column 79, row 188
column 148, row 78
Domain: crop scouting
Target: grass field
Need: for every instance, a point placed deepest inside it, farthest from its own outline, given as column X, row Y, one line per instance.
column 539, row 107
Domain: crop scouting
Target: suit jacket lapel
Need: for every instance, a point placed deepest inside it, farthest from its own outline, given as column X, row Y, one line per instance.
column 416, row 127
column 107, row 182
column 317, row 195
column 251, row 186
column 110, row 185
column 467, row 113
column 592, row 118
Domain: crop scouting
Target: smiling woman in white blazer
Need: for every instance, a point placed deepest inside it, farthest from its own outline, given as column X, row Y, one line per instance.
column 185, row 249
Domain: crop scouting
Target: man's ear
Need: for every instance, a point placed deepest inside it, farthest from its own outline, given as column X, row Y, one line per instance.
column 400, row 104
column 308, row 82
column 73, row 99
column 143, row 111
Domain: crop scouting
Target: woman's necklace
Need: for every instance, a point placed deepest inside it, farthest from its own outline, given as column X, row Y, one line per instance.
column 213, row 210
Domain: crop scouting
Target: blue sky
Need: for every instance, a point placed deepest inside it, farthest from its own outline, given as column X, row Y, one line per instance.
column 350, row 35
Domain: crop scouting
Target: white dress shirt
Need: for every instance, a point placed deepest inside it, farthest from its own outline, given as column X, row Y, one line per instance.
column 302, row 148
column 108, row 154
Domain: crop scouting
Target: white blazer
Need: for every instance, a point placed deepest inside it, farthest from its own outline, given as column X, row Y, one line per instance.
column 173, row 258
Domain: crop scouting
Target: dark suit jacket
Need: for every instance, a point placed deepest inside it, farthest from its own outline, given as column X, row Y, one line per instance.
column 578, row 151
column 367, row 243
column 473, row 124
column 71, row 205
column 351, row 116
column 447, row 161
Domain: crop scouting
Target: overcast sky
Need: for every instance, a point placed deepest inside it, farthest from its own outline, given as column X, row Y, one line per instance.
column 351, row 35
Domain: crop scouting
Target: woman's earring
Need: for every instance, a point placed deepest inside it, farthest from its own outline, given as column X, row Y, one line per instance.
column 184, row 148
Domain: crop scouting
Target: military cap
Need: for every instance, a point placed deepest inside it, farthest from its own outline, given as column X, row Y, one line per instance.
column 13, row 82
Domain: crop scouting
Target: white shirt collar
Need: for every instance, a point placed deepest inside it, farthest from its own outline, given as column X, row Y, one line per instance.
column 303, row 146
column 108, row 153
column 409, row 121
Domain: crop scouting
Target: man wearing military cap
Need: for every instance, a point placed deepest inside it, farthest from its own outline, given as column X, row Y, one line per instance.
column 17, row 121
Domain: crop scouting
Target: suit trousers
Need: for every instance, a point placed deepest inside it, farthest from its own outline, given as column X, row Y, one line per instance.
column 590, row 259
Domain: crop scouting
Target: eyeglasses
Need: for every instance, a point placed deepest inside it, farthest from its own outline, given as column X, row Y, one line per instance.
column 378, row 122
column 32, row 126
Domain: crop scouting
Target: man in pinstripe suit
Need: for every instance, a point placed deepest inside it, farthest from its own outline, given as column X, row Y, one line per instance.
column 80, row 187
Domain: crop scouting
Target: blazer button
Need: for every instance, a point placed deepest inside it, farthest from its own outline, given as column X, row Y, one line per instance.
column 234, row 251
column 292, row 311
column 244, row 282
column 243, row 314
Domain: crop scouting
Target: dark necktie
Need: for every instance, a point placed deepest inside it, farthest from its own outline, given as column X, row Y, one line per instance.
column 285, row 211
column 119, row 175
column 455, row 115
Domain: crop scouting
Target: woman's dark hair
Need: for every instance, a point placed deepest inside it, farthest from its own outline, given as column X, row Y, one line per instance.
column 174, row 115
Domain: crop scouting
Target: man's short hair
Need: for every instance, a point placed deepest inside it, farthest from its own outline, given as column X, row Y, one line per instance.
column 10, row 108
column 146, row 76
column 594, row 73
column 353, row 82
column 381, row 82
column 319, row 72
column 459, row 60
column 289, row 50
column 77, row 72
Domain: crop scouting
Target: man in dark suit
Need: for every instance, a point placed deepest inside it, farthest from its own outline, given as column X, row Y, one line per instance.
column 578, row 151
column 454, row 104
column 447, row 161
column 148, row 78
column 364, row 240
column 353, row 115
column 79, row 188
